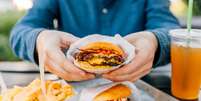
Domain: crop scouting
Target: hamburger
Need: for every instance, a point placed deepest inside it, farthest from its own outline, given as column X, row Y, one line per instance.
column 119, row 92
column 99, row 55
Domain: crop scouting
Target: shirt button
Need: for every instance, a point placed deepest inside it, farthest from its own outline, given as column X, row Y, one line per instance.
column 104, row 11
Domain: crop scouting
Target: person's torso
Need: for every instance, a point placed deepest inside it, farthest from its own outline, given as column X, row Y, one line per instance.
column 107, row 17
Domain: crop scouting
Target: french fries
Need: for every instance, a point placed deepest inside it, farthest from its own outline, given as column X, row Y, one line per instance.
column 55, row 91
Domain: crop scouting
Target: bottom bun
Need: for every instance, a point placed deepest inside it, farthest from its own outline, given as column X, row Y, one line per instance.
column 86, row 66
column 114, row 93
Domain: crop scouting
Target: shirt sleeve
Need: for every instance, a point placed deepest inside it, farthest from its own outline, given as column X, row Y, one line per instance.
column 159, row 20
column 24, row 34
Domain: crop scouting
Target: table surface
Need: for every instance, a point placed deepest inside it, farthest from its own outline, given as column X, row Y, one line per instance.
column 22, row 73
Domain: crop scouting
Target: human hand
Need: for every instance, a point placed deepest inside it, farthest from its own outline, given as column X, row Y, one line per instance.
column 50, row 46
column 146, row 45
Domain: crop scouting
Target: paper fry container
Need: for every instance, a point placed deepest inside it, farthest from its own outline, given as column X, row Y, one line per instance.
column 88, row 94
column 128, row 49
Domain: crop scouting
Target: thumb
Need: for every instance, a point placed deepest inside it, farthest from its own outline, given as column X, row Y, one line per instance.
column 59, row 58
column 68, row 38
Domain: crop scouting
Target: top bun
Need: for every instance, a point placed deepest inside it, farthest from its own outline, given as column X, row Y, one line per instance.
column 103, row 45
column 115, row 92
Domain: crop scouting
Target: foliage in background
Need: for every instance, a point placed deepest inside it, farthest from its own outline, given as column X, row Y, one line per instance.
column 7, row 21
column 196, row 7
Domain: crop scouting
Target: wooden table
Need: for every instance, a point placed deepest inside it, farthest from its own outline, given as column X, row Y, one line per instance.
column 22, row 73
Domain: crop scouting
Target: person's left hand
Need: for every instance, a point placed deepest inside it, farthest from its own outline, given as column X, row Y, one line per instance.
column 146, row 45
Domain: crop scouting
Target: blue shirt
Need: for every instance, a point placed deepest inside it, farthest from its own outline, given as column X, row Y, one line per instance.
column 85, row 17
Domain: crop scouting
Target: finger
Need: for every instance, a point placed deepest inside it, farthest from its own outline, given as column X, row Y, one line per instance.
column 138, row 61
column 54, row 68
column 140, row 76
column 59, row 58
column 129, row 77
column 67, row 38
column 75, row 70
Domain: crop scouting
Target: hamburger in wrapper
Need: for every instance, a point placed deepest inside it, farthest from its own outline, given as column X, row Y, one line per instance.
column 101, row 54
column 121, row 91
column 116, row 93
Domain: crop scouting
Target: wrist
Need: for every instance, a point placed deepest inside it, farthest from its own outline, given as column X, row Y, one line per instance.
column 149, row 36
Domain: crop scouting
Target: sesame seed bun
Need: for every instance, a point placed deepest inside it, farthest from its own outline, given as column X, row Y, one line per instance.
column 103, row 45
column 117, row 92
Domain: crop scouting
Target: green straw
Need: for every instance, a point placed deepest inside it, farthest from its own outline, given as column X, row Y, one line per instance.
column 189, row 21
column 190, row 12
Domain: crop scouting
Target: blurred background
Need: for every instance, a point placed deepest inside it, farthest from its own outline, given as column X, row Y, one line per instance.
column 12, row 10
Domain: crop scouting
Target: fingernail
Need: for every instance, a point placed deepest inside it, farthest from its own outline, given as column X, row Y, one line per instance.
column 82, row 73
column 114, row 73
column 105, row 75
column 111, row 74
column 92, row 76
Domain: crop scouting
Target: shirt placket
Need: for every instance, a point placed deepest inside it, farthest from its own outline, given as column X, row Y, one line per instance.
column 105, row 21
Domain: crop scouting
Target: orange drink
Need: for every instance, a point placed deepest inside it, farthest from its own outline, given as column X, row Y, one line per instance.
column 186, row 64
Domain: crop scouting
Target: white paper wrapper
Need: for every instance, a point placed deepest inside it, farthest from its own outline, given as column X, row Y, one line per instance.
column 88, row 94
column 128, row 49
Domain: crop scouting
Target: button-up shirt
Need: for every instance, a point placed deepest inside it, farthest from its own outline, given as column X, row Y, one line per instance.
column 85, row 17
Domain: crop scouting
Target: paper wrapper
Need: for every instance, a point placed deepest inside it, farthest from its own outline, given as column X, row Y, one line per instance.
column 88, row 94
column 128, row 49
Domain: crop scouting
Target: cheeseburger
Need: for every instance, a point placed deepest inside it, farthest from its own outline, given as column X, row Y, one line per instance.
column 99, row 55
column 117, row 93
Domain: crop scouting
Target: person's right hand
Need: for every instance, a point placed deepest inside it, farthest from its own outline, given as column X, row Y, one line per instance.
column 50, row 44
